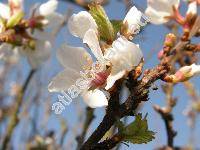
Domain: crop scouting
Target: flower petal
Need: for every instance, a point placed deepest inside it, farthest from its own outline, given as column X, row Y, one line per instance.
column 5, row 11
column 55, row 20
column 192, row 8
column 73, row 57
column 157, row 10
column 39, row 55
column 112, row 78
column 80, row 23
column 48, row 8
column 92, row 41
column 195, row 69
column 133, row 19
column 95, row 98
column 156, row 17
column 8, row 53
column 126, row 55
column 64, row 80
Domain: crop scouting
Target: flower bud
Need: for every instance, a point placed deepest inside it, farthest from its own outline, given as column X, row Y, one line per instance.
column 184, row 74
column 170, row 40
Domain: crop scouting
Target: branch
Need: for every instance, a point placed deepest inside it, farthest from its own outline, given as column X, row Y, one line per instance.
column 14, row 116
column 139, row 94
column 89, row 118
column 168, row 120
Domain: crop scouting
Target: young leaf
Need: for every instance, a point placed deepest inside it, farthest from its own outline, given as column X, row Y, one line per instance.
column 137, row 132
column 105, row 27
column 116, row 25
column 15, row 19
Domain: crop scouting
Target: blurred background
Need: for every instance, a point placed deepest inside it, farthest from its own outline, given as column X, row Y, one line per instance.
column 39, row 123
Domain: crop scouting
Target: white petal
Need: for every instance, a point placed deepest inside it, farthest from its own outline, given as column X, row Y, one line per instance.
column 80, row 23
column 64, row 80
column 55, row 20
column 112, row 78
column 48, row 8
column 156, row 17
column 192, row 8
column 73, row 57
column 195, row 69
column 95, row 98
column 133, row 19
column 5, row 51
column 40, row 54
column 125, row 56
column 42, row 36
column 157, row 10
column 8, row 53
column 4, row 11
column 92, row 41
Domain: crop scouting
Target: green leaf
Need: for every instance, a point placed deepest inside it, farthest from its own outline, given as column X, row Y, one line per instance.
column 105, row 27
column 117, row 24
column 15, row 19
column 137, row 132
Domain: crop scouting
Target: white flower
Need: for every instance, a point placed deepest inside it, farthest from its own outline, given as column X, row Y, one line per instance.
column 126, row 55
column 115, row 62
column 42, row 40
column 48, row 10
column 123, row 55
column 74, row 59
column 159, row 10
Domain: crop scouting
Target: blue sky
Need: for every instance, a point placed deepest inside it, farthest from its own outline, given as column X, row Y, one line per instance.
column 150, row 42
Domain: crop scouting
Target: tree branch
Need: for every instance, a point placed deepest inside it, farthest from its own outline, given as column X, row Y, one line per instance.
column 14, row 116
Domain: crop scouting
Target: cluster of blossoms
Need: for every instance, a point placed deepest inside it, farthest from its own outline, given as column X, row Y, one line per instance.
column 28, row 37
column 116, row 56
column 89, row 27
column 162, row 11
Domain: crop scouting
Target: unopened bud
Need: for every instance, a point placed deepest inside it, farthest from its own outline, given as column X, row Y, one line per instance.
column 31, row 44
column 196, row 106
column 184, row 74
column 170, row 40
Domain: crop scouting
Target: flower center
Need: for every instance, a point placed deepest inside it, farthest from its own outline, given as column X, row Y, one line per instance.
column 100, row 79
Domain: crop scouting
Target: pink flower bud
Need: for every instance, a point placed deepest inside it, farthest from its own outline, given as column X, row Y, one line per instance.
column 186, row 72
column 160, row 54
